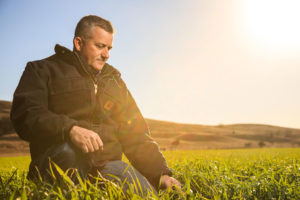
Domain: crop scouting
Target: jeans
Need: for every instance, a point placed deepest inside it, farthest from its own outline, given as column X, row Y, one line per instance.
column 66, row 156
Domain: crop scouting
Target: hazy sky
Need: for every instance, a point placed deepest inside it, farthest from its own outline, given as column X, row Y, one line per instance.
column 194, row 61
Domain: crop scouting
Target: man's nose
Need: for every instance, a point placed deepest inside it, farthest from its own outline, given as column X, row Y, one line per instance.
column 105, row 53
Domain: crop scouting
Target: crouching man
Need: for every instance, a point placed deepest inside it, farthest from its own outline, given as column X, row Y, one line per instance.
column 75, row 109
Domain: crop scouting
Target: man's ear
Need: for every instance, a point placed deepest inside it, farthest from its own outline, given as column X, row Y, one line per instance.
column 77, row 43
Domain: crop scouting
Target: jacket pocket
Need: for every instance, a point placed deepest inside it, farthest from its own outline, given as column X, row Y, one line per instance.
column 62, row 86
column 70, row 96
column 114, row 89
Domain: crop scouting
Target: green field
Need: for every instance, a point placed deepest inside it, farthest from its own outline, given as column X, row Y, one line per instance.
column 205, row 174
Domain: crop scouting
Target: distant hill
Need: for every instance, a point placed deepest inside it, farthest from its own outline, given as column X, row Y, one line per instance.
column 192, row 136
column 10, row 143
column 5, row 123
column 172, row 135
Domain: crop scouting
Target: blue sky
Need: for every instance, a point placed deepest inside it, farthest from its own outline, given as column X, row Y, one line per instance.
column 192, row 61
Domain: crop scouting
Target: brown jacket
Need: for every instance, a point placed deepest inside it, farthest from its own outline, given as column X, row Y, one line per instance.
column 61, row 91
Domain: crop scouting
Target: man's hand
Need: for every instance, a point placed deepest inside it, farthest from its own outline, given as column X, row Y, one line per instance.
column 167, row 181
column 86, row 140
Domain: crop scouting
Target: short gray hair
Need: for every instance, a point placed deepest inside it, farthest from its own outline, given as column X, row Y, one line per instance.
column 86, row 23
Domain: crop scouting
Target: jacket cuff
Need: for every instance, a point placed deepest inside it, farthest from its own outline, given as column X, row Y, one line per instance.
column 167, row 171
column 155, row 181
column 66, row 130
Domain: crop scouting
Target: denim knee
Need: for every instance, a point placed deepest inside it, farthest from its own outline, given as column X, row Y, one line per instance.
column 64, row 155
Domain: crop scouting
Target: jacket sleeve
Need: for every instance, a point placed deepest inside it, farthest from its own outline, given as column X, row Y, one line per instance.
column 30, row 115
column 141, row 150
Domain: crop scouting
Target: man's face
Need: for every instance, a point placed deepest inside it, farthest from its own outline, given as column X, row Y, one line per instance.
column 95, row 50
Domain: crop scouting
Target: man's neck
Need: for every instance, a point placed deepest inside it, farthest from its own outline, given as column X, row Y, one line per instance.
column 91, row 70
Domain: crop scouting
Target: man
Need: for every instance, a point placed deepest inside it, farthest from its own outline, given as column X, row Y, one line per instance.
column 74, row 108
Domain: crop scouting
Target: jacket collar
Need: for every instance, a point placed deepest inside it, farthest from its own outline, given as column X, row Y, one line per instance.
column 71, row 57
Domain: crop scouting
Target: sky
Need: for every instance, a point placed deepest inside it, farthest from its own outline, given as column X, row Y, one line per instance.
column 194, row 61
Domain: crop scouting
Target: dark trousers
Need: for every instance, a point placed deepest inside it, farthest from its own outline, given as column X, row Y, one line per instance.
column 68, row 157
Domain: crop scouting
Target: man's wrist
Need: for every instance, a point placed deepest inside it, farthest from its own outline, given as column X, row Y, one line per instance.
column 167, row 172
column 67, row 133
column 68, row 125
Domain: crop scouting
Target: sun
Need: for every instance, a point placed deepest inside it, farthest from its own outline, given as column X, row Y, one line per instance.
column 275, row 24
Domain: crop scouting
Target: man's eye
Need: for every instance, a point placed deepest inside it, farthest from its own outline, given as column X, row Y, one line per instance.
column 100, row 46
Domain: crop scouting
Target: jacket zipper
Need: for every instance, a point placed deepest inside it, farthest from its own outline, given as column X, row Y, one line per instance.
column 95, row 83
column 96, row 88
column 91, row 78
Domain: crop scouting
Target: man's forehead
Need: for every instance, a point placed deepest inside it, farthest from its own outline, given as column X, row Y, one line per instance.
column 101, row 36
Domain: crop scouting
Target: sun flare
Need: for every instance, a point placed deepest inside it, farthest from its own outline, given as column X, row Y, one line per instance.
column 275, row 24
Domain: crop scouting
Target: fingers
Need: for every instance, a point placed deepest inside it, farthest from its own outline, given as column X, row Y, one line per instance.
column 168, row 181
column 99, row 142
column 90, row 146
column 175, row 182
column 84, row 149
column 86, row 140
column 94, row 143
